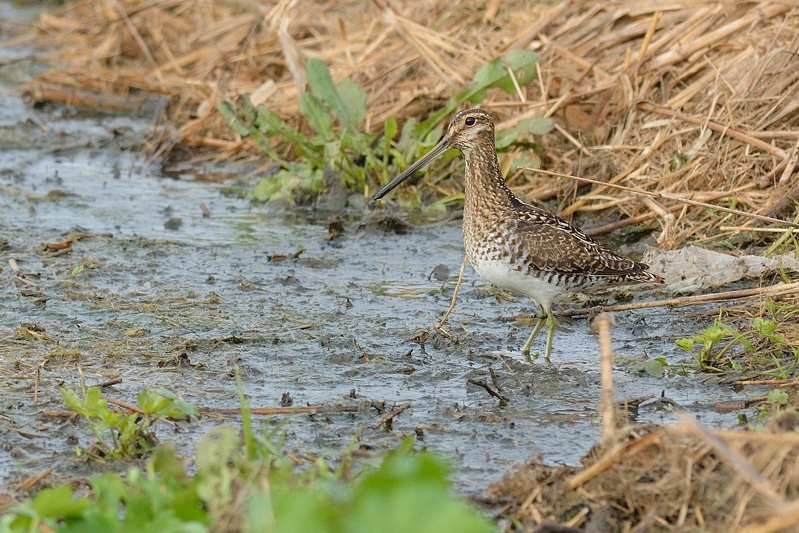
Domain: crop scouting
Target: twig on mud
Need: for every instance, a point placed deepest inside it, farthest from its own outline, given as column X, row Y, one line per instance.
column 312, row 409
column 667, row 196
column 108, row 383
column 697, row 299
column 30, row 482
column 494, row 378
column 503, row 401
column 737, row 405
column 603, row 324
column 454, row 296
column 770, row 382
column 387, row 418
column 123, row 405
column 134, row 409
column 31, row 434
column 18, row 275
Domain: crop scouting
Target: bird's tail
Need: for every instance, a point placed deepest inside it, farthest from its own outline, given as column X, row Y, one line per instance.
column 645, row 277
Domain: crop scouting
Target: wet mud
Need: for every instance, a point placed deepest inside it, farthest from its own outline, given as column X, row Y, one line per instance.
column 157, row 291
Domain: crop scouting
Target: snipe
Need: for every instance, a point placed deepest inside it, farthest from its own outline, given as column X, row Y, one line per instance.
column 516, row 246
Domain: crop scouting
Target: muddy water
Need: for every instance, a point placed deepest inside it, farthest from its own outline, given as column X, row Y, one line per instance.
column 157, row 294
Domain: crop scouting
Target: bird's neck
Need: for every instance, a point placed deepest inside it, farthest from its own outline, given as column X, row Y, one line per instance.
column 485, row 186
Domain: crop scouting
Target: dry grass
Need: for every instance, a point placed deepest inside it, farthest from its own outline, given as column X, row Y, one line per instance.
column 693, row 97
column 673, row 478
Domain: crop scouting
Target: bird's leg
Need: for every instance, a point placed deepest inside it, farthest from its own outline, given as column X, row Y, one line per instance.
column 543, row 316
column 551, row 323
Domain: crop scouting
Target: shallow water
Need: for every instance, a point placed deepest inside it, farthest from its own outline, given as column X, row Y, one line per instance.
column 332, row 324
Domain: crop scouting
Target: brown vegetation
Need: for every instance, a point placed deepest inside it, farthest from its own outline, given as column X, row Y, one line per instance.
column 696, row 98
column 672, row 478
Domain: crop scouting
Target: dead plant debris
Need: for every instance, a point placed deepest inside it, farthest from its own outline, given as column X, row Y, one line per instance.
column 698, row 99
column 671, row 478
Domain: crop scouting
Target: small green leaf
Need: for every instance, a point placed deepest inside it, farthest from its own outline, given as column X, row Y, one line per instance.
column 778, row 397
column 153, row 404
column 72, row 401
column 77, row 270
column 228, row 112
column 686, row 344
column 715, row 333
column 654, row 367
column 390, row 129
column 182, row 405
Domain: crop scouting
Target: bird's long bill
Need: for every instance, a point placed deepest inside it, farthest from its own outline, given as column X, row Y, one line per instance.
column 437, row 150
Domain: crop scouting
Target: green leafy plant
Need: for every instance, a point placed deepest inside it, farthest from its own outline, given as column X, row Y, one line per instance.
column 763, row 339
column 163, row 498
column 707, row 340
column 335, row 147
column 244, row 482
column 121, row 435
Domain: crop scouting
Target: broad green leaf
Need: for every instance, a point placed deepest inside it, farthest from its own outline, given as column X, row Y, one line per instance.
column 493, row 74
column 322, row 86
column 153, row 403
column 354, row 97
column 715, row 333
column 524, row 65
column 490, row 75
column 317, row 115
column 411, row 492
column 528, row 126
column 73, row 401
column 58, row 503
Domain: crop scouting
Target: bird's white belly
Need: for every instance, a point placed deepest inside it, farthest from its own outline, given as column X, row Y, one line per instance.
column 503, row 276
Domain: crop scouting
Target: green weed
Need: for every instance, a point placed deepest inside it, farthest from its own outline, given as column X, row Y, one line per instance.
column 244, row 482
column 335, row 146
column 767, row 343
column 705, row 356
column 119, row 435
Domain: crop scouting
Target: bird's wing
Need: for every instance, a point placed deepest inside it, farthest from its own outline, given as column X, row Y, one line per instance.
column 554, row 245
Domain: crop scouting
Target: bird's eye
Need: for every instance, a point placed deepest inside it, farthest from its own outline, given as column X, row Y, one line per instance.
column 469, row 121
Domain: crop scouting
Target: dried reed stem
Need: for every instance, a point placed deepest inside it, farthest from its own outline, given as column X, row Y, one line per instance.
column 603, row 324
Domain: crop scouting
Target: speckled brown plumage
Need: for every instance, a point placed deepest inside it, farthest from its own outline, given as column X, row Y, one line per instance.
column 517, row 246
